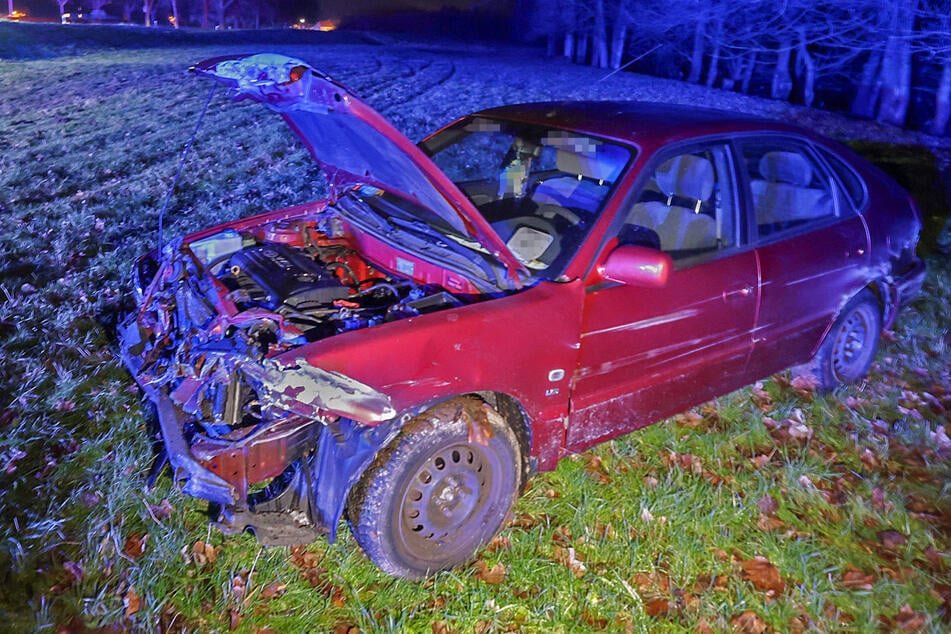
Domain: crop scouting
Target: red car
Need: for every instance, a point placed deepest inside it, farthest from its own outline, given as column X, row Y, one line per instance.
column 525, row 283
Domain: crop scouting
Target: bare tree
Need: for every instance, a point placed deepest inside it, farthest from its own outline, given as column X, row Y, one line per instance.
column 935, row 45
column 896, row 62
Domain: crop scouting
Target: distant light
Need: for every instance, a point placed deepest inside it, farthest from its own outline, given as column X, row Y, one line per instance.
column 302, row 20
column 327, row 25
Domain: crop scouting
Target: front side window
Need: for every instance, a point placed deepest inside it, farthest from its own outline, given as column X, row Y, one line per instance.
column 541, row 189
column 687, row 207
column 788, row 189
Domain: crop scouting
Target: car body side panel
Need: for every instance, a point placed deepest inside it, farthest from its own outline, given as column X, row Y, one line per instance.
column 807, row 279
column 649, row 352
column 524, row 345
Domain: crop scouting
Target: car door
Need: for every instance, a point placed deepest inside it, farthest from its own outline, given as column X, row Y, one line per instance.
column 648, row 352
column 811, row 246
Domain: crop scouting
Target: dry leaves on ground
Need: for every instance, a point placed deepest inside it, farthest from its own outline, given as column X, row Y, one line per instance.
column 495, row 574
column 763, row 575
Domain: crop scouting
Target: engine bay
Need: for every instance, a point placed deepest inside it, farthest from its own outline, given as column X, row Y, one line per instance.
column 315, row 282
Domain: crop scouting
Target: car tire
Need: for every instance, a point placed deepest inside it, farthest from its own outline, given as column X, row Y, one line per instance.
column 441, row 490
column 848, row 350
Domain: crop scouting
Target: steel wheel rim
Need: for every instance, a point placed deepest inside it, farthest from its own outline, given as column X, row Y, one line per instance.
column 853, row 344
column 445, row 502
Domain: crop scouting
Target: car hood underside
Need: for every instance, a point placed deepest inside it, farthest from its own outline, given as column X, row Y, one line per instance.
column 352, row 142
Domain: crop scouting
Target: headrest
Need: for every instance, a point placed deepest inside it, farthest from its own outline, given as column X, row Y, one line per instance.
column 686, row 175
column 591, row 158
column 786, row 167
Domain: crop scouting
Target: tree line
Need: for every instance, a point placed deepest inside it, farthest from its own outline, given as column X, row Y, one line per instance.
column 205, row 14
column 876, row 54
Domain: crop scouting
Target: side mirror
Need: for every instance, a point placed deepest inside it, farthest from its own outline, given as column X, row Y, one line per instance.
column 637, row 266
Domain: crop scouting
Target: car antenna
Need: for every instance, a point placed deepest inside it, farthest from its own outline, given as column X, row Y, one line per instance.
column 181, row 164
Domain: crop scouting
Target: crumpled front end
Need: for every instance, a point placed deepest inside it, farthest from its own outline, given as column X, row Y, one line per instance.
column 246, row 424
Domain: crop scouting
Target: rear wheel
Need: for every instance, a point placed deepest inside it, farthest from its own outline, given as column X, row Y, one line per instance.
column 439, row 492
column 847, row 352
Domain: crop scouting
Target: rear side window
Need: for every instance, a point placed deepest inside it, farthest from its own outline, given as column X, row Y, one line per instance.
column 788, row 188
column 852, row 184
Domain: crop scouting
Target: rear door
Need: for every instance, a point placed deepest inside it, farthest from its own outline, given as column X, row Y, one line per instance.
column 811, row 247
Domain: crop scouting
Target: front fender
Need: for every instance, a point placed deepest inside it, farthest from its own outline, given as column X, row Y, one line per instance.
column 525, row 345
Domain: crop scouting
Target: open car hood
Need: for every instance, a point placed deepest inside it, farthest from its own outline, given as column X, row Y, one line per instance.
column 351, row 141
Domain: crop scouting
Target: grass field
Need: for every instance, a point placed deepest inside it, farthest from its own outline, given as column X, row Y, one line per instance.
column 771, row 509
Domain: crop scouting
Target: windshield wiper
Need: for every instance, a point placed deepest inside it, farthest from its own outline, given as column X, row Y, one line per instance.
column 359, row 208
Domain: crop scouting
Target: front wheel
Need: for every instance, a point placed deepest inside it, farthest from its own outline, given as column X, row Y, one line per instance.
column 847, row 352
column 441, row 490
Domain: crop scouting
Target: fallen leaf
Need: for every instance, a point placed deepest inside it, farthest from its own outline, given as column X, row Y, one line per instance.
column 594, row 465
column 908, row 620
column 943, row 592
column 891, row 539
column 568, row 557
column 604, row 531
column 770, row 523
column 135, row 545
column 869, row 459
column 657, row 606
column 499, row 542
column 689, row 419
column 161, row 511
column 748, row 622
column 805, row 385
column 132, row 602
column 493, row 575
column 879, row 503
column 442, row 627
column 936, row 559
column 856, row 579
column 238, row 587
column 594, row 621
column 763, row 575
column 703, row 627
column 761, row 398
column 273, row 590
column 767, row 505
column 704, row 583
column 204, row 553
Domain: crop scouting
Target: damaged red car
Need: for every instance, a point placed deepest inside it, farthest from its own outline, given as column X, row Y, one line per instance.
column 527, row 282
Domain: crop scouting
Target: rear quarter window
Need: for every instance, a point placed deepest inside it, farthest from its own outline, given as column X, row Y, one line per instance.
column 850, row 183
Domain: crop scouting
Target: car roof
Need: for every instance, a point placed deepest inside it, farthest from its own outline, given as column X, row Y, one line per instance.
column 648, row 124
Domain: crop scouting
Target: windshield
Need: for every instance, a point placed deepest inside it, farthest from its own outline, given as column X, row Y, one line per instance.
column 541, row 189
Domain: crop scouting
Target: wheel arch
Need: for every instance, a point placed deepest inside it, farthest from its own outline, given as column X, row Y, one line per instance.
column 511, row 410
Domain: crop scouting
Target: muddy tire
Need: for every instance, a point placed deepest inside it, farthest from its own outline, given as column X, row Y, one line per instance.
column 441, row 490
column 847, row 351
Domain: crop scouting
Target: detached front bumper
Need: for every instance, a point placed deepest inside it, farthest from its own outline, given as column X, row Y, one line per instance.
column 196, row 480
column 287, row 477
